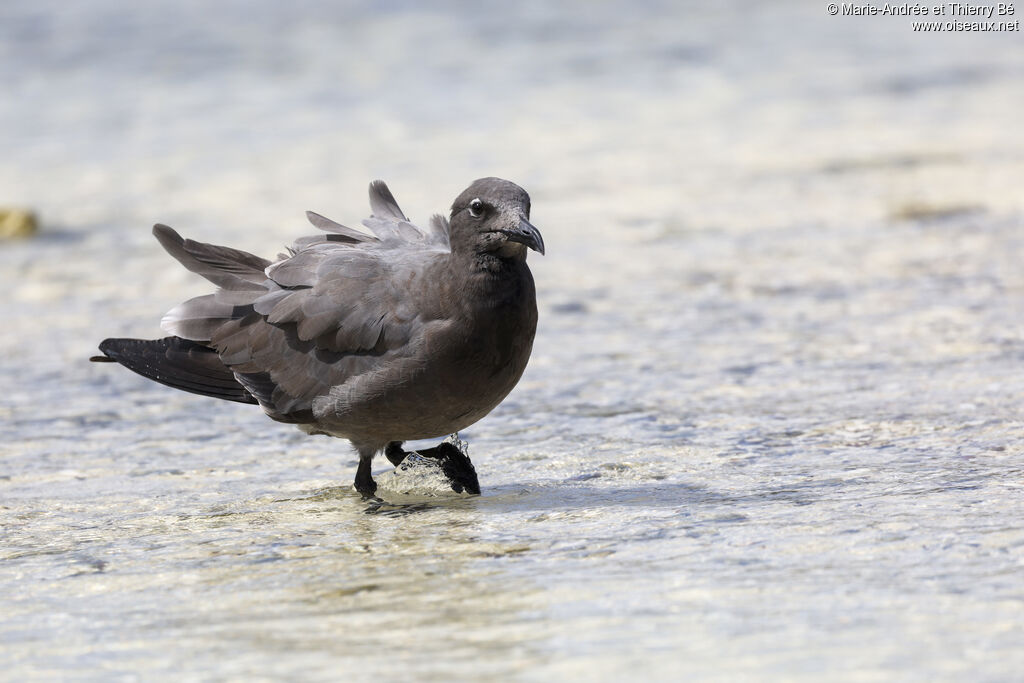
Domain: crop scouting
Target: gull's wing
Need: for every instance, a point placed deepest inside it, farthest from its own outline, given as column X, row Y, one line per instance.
column 333, row 308
column 348, row 314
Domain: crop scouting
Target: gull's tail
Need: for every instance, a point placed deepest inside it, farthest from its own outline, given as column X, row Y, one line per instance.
column 176, row 362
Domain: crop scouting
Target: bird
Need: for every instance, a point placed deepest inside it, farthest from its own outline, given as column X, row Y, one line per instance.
column 397, row 334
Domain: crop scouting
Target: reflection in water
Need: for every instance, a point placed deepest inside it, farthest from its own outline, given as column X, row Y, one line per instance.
column 418, row 573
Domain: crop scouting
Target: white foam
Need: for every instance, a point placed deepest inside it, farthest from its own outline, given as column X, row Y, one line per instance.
column 420, row 476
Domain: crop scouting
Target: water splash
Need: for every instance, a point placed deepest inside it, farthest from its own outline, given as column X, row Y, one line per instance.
column 442, row 471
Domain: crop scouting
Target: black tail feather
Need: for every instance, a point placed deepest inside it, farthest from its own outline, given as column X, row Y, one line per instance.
column 179, row 363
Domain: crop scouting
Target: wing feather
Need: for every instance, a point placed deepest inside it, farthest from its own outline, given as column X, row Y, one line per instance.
column 383, row 203
column 327, row 225
column 223, row 266
column 322, row 315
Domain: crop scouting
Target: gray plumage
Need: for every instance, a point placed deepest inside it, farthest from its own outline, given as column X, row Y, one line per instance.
column 405, row 333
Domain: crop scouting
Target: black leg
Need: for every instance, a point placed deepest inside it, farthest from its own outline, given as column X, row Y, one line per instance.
column 364, row 478
column 395, row 453
column 439, row 452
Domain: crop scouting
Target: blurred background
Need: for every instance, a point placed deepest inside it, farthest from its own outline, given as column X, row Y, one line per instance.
column 772, row 428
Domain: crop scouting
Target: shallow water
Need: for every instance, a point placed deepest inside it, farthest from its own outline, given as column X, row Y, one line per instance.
column 773, row 425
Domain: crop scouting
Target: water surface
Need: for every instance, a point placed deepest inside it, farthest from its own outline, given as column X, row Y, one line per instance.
column 772, row 428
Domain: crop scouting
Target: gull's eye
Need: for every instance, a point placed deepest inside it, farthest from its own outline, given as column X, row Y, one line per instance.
column 476, row 208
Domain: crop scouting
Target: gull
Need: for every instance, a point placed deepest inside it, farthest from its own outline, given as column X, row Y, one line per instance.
column 406, row 333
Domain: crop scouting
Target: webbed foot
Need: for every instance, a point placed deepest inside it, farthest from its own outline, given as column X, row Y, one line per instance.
column 455, row 464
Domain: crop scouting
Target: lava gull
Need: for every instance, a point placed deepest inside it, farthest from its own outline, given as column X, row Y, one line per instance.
column 408, row 333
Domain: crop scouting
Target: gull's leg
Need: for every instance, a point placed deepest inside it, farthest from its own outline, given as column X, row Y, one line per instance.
column 395, row 453
column 437, row 452
column 364, row 478
column 445, row 449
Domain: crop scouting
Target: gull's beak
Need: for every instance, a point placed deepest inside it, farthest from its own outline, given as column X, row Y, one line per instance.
column 526, row 234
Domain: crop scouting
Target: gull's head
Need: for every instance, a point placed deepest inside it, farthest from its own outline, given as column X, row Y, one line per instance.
column 492, row 216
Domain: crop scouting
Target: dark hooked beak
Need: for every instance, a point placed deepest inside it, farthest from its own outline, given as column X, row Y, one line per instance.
column 526, row 234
